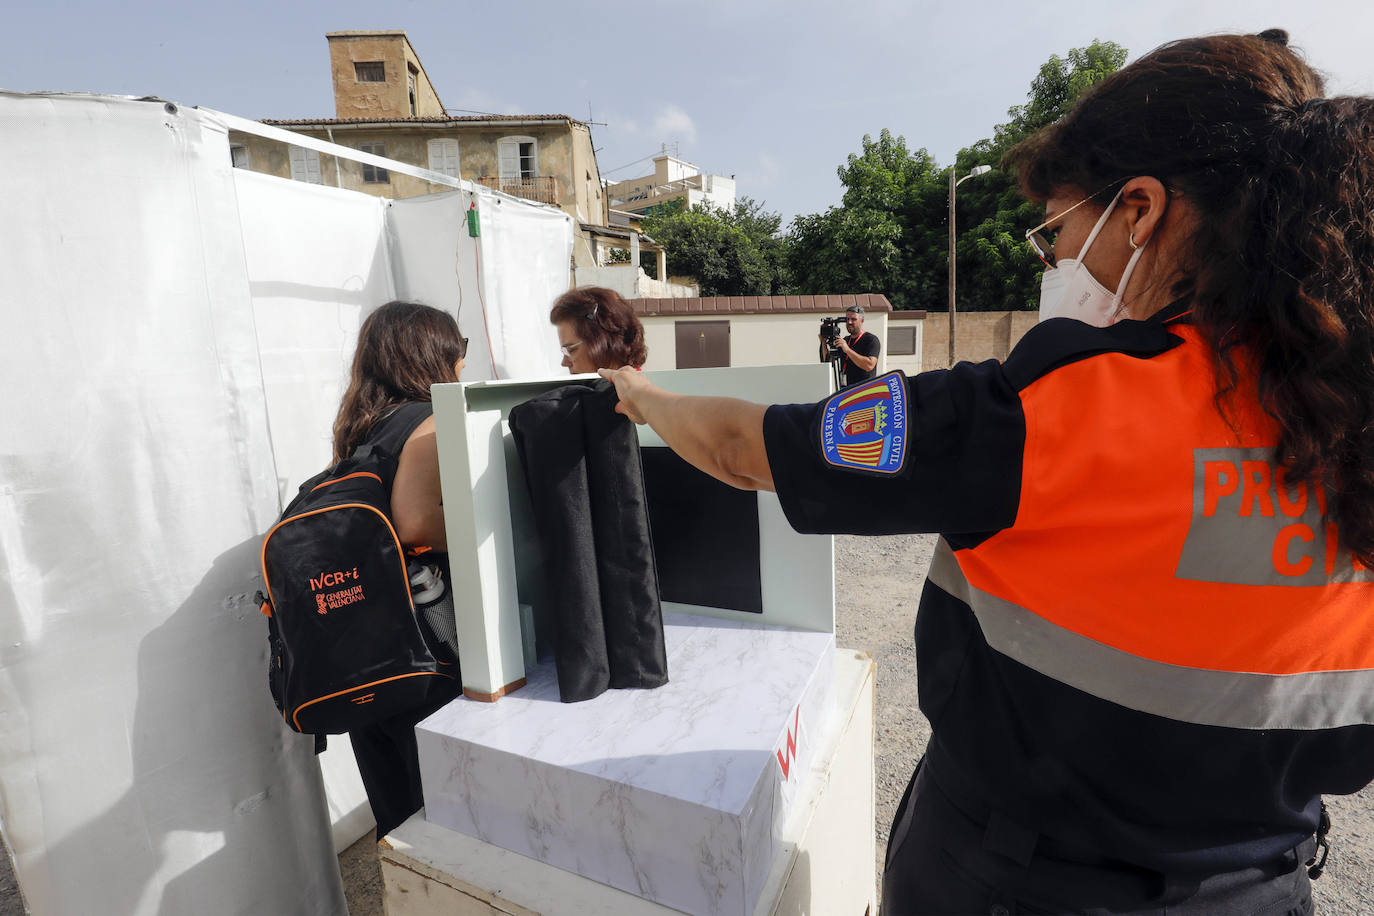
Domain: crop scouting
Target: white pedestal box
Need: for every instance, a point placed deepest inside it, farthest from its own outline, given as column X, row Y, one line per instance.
column 824, row 863
column 675, row 794
column 679, row 794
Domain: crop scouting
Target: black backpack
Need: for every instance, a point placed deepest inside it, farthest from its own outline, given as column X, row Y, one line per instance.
column 347, row 647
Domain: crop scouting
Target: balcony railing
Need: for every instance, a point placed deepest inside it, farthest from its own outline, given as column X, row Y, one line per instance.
column 543, row 189
column 646, row 191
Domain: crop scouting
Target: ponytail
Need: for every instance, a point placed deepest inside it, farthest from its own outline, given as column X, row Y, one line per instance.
column 1281, row 271
column 1301, row 303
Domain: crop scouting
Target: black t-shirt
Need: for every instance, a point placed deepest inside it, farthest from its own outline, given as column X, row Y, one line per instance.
column 865, row 344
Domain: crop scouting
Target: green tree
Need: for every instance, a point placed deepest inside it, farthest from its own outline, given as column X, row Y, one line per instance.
column 844, row 250
column 874, row 241
column 885, row 174
column 736, row 252
column 1056, row 87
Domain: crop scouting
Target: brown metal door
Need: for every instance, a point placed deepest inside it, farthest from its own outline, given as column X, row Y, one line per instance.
column 702, row 344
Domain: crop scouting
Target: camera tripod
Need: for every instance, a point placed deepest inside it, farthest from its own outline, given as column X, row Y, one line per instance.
column 834, row 357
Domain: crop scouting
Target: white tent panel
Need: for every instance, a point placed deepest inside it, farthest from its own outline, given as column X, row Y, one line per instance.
column 179, row 335
column 142, row 767
column 434, row 263
column 526, row 256
column 500, row 284
column 317, row 266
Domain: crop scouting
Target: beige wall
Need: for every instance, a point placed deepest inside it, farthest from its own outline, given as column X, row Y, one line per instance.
column 564, row 152
column 631, row 282
column 427, row 103
column 404, row 144
column 585, row 178
column 756, row 340
column 557, row 153
column 637, row 195
column 978, row 336
column 354, row 99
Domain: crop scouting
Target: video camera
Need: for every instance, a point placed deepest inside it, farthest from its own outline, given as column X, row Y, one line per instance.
column 831, row 331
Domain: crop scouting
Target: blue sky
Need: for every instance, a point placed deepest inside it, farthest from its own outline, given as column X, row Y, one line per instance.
column 774, row 93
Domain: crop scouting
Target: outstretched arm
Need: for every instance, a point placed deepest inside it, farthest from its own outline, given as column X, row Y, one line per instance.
column 720, row 436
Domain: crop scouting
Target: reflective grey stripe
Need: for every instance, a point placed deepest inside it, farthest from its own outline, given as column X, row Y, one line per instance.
column 1230, row 699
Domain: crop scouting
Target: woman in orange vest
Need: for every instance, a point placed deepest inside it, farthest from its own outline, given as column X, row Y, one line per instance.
column 1146, row 641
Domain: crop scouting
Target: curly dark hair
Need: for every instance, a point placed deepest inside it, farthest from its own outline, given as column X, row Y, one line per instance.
column 1281, row 275
column 606, row 325
column 403, row 348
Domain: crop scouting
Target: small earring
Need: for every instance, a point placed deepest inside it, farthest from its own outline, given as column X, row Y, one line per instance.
column 1131, row 239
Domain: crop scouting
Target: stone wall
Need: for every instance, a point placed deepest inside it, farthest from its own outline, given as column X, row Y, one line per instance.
column 977, row 336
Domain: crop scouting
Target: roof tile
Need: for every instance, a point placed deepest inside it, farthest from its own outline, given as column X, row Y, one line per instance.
column 747, row 305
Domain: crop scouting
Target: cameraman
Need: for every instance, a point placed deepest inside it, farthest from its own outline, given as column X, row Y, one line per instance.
column 859, row 351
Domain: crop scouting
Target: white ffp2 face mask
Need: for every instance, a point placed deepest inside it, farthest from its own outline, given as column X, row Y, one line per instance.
column 1069, row 290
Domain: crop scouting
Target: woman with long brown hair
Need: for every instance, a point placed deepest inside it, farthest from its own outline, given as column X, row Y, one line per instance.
column 403, row 349
column 1146, row 641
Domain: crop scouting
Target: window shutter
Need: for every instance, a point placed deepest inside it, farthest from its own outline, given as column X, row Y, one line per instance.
column 305, row 165
column 509, row 155
column 901, row 341
column 443, row 157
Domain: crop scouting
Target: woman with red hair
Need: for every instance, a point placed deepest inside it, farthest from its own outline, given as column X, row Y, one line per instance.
column 597, row 329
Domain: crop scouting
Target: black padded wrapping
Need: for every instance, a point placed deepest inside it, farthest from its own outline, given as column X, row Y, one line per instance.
column 586, row 483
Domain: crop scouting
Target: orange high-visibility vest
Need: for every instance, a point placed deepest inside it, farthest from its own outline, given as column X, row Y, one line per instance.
column 1137, row 638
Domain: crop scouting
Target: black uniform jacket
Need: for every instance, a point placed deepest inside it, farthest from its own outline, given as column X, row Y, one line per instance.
column 1136, row 638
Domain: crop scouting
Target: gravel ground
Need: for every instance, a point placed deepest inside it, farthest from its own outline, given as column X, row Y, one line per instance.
column 362, row 874
column 877, row 587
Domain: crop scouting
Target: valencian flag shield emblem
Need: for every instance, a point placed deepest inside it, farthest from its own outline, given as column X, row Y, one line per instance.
column 865, row 427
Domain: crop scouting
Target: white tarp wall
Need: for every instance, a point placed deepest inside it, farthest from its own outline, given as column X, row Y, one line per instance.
column 500, row 284
column 177, row 338
column 320, row 259
column 317, row 263
column 143, row 768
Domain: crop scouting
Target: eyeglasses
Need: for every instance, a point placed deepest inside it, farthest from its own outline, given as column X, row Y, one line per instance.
column 568, row 350
column 463, row 349
column 1042, row 244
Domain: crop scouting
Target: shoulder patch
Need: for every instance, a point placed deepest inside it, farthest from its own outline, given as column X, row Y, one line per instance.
column 864, row 428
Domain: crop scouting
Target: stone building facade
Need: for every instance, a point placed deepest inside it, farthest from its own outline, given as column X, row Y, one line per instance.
column 386, row 105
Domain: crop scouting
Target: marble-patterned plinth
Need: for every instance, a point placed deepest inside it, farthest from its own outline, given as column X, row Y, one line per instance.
column 676, row 794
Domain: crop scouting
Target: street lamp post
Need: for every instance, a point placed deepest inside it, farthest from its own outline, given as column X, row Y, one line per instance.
column 975, row 172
